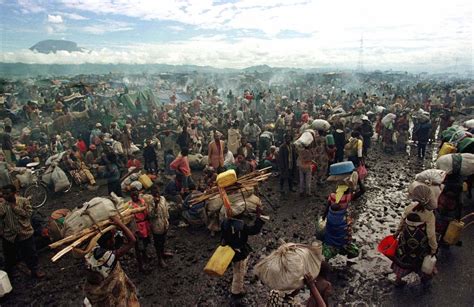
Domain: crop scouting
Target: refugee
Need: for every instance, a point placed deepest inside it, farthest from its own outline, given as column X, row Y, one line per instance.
column 245, row 149
column 416, row 236
column 402, row 127
column 142, row 228
column 17, row 231
column 252, row 132
column 354, row 149
column 112, row 173
column 287, row 164
column 228, row 158
column 305, row 162
column 339, row 141
column 91, row 156
column 115, row 131
column 159, row 220
column 233, row 137
column 169, row 157
column 7, row 145
column 338, row 231
column 96, row 134
column 149, row 155
column 280, row 129
column 235, row 233
column 265, row 141
column 133, row 162
column 172, row 192
column 320, row 156
column 215, row 152
column 450, row 204
column 422, row 135
column 5, row 169
column 319, row 286
column 183, row 172
column 184, row 139
column 126, row 140
column 367, row 132
column 106, row 282
column 243, row 166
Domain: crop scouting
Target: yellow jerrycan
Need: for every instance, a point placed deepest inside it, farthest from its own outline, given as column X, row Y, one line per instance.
column 455, row 228
column 145, row 181
column 447, row 148
column 220, row 260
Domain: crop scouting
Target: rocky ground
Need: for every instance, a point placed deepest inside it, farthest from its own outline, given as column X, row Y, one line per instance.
column 365, row 280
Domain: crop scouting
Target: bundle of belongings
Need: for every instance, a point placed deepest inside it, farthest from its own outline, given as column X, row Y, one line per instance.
column 284, row 268
column 81, row 228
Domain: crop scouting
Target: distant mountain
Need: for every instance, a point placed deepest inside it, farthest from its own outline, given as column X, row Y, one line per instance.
column 258, row 68
column 52, row 46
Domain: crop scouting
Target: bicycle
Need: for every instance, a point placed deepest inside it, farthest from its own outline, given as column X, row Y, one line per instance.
column 38, row 190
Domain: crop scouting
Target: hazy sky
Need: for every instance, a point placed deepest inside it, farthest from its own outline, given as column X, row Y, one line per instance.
column 404, row 34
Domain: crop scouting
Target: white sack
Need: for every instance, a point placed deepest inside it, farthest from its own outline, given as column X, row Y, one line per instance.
column 445, row 163
column 97, row 209
column 320, row 124
column 60, row 180
column 284, row 268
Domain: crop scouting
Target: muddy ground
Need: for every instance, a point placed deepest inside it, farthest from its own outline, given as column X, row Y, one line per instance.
column 365, row 280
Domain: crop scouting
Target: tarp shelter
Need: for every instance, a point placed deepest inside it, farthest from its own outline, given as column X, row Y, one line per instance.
column 128, row 100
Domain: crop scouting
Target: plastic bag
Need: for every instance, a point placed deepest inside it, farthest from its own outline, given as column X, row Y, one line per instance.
column 60, row 180
column 305, row 139
column 428, row 265
column 388, row 246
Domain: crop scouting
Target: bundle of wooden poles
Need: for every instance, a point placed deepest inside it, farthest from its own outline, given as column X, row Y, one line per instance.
column 248, row 181
column 87, row 238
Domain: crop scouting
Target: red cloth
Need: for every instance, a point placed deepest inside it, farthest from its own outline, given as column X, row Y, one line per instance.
column 305, row 117
column 81, row 145
column 134, row 163
column 344, row 202
column 181, row 164
column 141, row 218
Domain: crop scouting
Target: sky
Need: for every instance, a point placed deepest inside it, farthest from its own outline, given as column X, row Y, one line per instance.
column 413, row 35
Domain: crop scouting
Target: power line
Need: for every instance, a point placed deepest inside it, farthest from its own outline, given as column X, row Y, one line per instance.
column 360, row 63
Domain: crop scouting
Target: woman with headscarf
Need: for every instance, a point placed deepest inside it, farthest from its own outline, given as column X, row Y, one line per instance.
column 416, row 235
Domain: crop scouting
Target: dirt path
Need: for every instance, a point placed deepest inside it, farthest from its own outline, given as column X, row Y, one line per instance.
column 361, row 281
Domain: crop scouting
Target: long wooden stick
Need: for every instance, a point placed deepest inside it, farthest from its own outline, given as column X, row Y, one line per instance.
column 69, row 248
column 93, row 228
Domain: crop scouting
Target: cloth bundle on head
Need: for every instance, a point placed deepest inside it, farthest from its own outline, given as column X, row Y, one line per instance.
column 388, row 120
column 424, row 195
column 447, row 164
column 284, row 268
column 320, row 124
column 431, row 176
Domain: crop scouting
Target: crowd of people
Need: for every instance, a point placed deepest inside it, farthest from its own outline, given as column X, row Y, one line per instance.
column 100, row 134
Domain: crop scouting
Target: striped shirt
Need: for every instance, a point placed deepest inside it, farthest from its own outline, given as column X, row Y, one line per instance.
column 15, row 220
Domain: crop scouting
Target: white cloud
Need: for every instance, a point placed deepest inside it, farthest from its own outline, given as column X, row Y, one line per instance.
column 176, row 28
column 396, row 33
column 107, row 26
column 74, row 16
column 30, row 6
column 55, row 19
column 248, row 52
